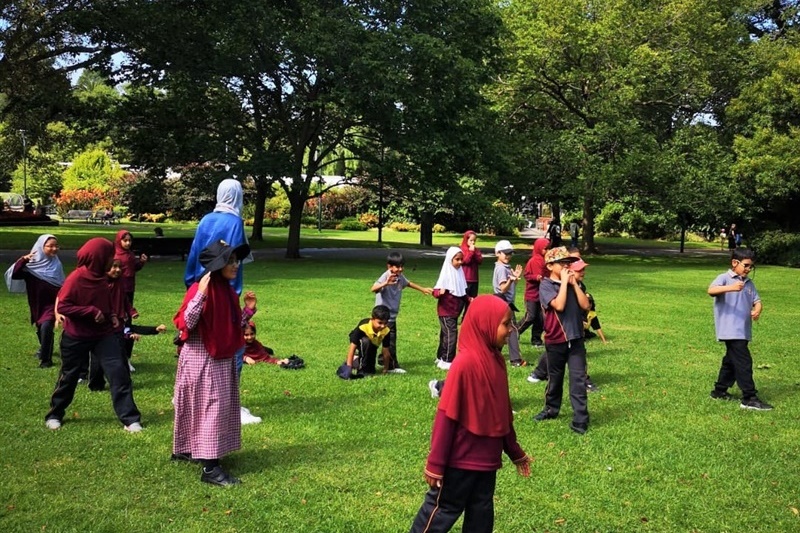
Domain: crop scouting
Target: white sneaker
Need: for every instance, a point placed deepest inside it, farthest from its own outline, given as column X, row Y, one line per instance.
column 443, row 365
column 52, row 423
column 396, row 371
column 534, row 379
column 130, row 367
column 433, row 389
column 136, row 427
column 245, row 410
column 247, row 418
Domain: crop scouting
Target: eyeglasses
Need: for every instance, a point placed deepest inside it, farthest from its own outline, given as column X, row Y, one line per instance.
column 748, row 266
column 233, row 261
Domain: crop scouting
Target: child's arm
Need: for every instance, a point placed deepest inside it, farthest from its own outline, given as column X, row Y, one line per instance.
column 583, row 300
column 510, row 280
column 560, row 301
column 423, row 290
column 378, row 286
column 351, row 352
column 716, row 290
column 387, row 360
column 756, row 312
column 249, row 307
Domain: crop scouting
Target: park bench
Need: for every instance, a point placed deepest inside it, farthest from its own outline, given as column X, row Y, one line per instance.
column 163, row 246
column 99, row 218
column 78, row 214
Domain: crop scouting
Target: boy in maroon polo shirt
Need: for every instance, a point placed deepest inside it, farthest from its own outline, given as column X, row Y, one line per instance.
column 564, row 303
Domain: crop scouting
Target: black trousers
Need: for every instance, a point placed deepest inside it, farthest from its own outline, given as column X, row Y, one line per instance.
column 74, row 354
column 560, row 356
column 127, row 343
column 534, row 318
column 367, row 355
column 393, row 343
column 448, row 338
column 737, row 367
column 44, row 332
column 462, row 491
column 472, row 291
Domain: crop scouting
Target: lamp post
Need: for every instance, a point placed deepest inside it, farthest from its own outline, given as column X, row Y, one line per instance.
column 24, row 164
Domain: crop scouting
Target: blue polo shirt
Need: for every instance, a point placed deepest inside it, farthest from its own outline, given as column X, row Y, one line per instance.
column 732, row 309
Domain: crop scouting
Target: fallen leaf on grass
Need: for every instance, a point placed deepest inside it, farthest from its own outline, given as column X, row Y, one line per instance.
column 795, row 511
column 566, row 496
column 764, row 367
column 287, row 393
column 560, row 521
column 644, row 520
column 228, row 512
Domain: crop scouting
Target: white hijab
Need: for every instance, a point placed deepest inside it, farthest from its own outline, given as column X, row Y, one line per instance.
column 230, row 197
column 450, row 278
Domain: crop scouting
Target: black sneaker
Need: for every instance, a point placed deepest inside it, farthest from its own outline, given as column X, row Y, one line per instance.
column 544, row 415
column 756, row 405
column 591, row 387
column 579, row 428
column 219, row 477
column 45, row 364
column 724, row 395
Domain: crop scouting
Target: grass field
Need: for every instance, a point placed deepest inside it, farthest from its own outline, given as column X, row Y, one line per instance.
column 335, row 456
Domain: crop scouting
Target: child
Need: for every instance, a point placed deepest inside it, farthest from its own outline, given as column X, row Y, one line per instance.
column 130, row 265
column 470, row 264
column 535, row 271
column 473, row 426
column 254, row 351
column 564, row 301
column 589, row 317
column 504, row 283
column 736, row 305
column 364, row 341
column 90, row 321
column 451, row 292
column 210, row 321
column 388, row 291
column 42, row 275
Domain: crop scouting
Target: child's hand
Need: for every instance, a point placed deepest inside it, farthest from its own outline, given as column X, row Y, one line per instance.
column 427, row 290
column 755, row 314
column 250, row 300
column 30, row 256
column 518, row 271
column 524, row 468
column 99, row 317
column 566, row 275
column 249, row 360
column 202, row 286
column 737, row 287
column 433, row 482
column 114, row 321
column 161, row 328
column 135, row 337
column 143, row 258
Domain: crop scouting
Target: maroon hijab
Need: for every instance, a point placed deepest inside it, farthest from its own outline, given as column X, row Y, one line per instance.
column 464, row 244
column 88, row 283
column 220, row 320
column 476, row 395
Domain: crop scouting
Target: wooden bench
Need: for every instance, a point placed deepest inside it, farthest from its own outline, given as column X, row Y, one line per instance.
column 163, row 246
column 78, row 214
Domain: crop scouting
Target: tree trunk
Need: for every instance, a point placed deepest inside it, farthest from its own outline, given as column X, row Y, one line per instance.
column 588, row 225
column 258, row 217
column 296, row 203
column 426, row 229
column 683, row 236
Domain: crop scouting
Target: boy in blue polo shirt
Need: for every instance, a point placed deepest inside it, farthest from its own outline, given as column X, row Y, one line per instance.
column 736, row 305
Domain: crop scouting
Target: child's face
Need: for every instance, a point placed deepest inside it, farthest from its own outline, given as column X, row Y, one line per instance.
column 230, row 270
column 579, row 274
column 471, row 240
column 377, row 324
column 457, row 260
column 504, row 257
column 249, row 335
column 126, row 241
column 556, row 268
column 115, row 270
column 742, row 268
column 503, row 330
column 50, row 247
column 395, row 269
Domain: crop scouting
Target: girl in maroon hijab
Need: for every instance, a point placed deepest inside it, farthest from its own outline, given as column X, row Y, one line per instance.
column 473, row 427
column 130, row 264
column 471, row 263
column 88, row 307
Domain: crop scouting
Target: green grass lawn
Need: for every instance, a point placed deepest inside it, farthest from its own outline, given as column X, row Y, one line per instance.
column 336, row 456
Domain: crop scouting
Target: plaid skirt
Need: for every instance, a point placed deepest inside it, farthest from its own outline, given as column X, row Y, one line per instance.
column 207, row 418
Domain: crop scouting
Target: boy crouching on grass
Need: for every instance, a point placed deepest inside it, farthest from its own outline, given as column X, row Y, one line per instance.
column 364, row 341
column 736, row 305
column 564, row 303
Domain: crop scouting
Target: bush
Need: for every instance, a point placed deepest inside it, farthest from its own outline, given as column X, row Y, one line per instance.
column 438, row 228
column 351, row 224
column 369, row 219
column 403, row 226
column 777, row 248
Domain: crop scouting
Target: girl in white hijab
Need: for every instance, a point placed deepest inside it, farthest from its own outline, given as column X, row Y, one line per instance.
column 451, row 292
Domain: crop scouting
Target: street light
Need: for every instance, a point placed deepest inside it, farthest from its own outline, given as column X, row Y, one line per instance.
column 24, row 164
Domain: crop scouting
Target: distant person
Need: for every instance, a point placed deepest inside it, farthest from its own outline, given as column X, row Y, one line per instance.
column 733, row 237
column 574, row 233
column 504, row 285
column 369, row 335
column 473, row 427
column 736, row 305
column 388, row 289
column 42, row 275
column 254, row 351
column 564, row 302
column 130, row 264
column 210, row 321
column 88, row 310
column 554, row 232
column 723, row 237
column 450, row 292
column 471, row 263
column 535, row 271
column 27, row 205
